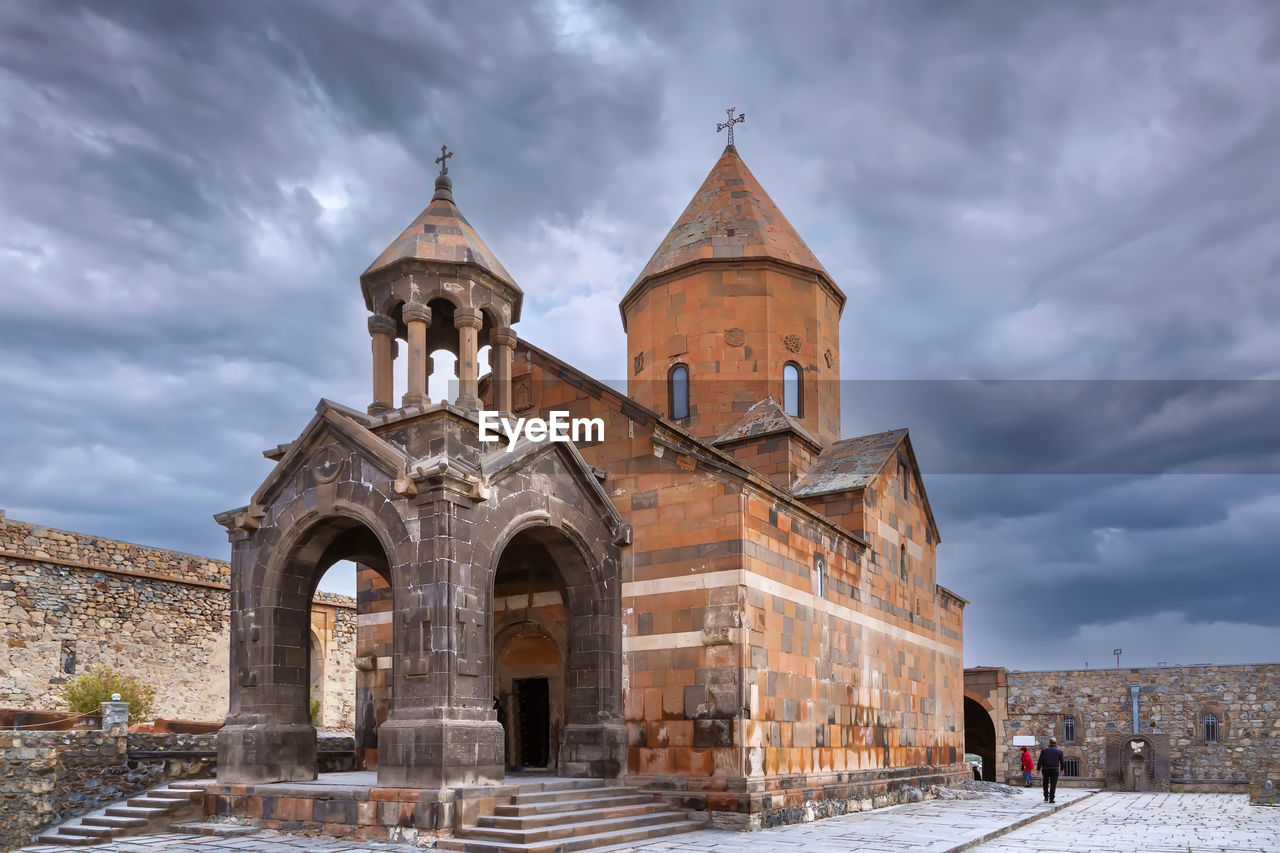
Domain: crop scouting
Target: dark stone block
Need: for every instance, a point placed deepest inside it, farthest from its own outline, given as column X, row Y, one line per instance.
column 712, row 733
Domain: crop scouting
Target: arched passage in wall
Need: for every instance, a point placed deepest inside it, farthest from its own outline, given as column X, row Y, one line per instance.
column 980, row 736
column 279, row 680
column 547, row 674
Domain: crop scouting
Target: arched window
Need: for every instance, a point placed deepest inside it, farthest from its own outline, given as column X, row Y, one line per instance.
column 678, row 391
column 792, row 398
column 902, row 561
column 1210, row 728
column 1069, row 729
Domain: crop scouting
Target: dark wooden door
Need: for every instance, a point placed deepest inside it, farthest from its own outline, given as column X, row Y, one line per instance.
column 534, row 720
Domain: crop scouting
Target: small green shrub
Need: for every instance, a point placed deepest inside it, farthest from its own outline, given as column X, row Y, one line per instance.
column 315, row 708
column 86, row 694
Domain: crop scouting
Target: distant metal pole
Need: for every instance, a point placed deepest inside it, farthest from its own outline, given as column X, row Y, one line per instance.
column 1133, row 692
column 1117, row 654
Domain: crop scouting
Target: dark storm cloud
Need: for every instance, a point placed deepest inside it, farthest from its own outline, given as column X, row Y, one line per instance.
column 1078, row 199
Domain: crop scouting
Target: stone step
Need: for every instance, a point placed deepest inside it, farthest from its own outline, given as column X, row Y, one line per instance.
column 185, row 795
column 546, row 785
column 522, row 809
column 88, row 830
column 496, row 821
column 57, row 837
column 121, row 823
column 146, row 801
column 561, row 831
column 193, row 784
column 595, row 790
column 135, row 811
column 677, row 825
column 224, row 830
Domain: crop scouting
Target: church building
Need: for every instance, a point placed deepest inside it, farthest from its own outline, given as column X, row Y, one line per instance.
column 716, row 597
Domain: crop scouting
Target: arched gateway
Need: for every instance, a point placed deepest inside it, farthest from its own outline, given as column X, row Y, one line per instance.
column 439, row 526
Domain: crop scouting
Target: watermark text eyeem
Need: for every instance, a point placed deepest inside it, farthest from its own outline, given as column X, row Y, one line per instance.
column 558, row 426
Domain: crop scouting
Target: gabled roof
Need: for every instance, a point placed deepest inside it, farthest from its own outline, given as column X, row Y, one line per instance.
column 855, row 462
column 442, row 233
column 764, row 418
column 849, row 464
column 641, row 414
column 731, row 216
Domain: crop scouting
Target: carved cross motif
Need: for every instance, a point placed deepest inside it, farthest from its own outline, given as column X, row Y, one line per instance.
column 421, row 663
column 468, row 657
column 731, row 122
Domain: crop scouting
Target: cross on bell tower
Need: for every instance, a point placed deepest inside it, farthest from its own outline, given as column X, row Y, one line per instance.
column 722, row 125
column 445, row 154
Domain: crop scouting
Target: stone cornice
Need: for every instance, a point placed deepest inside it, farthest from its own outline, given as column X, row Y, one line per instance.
column 643, row 285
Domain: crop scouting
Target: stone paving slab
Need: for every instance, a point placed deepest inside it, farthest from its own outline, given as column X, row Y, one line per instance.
column 1114, row 822
column 933, row 826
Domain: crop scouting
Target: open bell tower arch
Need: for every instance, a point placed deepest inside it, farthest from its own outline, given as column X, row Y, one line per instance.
column 438, row 286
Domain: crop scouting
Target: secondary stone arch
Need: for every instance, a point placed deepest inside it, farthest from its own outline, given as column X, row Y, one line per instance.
column 550, row 503
column 269, row 735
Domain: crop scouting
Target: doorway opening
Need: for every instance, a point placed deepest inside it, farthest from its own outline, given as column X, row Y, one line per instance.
column 533, row 718
column 980, row 737
column 530, row 637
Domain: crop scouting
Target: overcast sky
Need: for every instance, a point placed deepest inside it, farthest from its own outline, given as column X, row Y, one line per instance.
column 1053, row 194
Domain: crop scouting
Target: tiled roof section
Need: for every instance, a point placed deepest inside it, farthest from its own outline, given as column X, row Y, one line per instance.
column 849, row 464
column 730, row 216
column 764, row 418
column 442, row 233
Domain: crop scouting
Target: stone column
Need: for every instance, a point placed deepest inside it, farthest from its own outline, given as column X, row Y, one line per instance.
column 417, row 317
column 383, row 330
column 468, row 323
column 503, row 351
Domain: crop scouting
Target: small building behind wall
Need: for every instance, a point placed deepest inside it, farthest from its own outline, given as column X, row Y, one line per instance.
column 1181, row 728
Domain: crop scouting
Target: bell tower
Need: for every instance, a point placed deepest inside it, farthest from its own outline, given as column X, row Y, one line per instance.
column 734, row 308
column 438, row 286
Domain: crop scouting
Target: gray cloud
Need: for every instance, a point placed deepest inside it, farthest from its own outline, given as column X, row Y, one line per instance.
column 1035, row 192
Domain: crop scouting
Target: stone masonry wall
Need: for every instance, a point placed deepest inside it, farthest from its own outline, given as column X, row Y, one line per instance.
column 1173, row 700
column 46, row 776
column 757, row 642
column 69, row 601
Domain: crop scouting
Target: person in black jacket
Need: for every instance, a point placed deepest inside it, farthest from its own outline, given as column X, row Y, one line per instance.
column 1050, row 765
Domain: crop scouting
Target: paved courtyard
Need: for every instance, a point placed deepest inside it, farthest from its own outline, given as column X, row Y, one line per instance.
column 1082, row 822
column 1158, row 823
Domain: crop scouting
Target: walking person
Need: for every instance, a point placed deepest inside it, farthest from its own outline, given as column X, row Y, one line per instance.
column 1050, row 765
column 1028, row 764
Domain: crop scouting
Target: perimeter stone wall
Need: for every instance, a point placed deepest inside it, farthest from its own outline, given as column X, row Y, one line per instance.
column 69, row 601
column 1172, row 701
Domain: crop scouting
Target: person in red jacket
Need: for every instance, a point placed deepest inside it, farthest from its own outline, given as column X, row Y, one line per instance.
column 1028, row 764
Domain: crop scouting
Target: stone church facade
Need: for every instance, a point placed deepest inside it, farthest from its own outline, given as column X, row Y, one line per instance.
column 718, row 598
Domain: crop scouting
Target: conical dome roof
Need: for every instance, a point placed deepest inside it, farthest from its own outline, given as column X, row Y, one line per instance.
column 442, row 233
column 730, row 216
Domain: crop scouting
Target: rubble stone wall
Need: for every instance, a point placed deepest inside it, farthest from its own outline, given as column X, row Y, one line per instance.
column 1172, row 701
column 69, row 601
column 47, row 777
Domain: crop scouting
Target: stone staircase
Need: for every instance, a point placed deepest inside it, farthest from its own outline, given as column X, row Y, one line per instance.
column 148, row 812
column 568, row 815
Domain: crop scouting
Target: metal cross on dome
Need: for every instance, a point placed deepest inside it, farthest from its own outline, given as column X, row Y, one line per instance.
column 445, row 154
column 721, row 125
